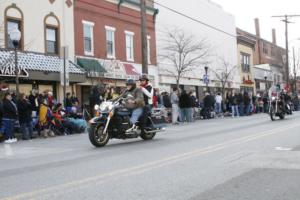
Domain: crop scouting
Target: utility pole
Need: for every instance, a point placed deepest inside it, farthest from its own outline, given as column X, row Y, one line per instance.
column 286, row 21
column 144, row 37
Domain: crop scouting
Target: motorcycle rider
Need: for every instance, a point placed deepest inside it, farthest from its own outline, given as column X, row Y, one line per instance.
column 148, row 92
column 286, row 99
column 134, row 101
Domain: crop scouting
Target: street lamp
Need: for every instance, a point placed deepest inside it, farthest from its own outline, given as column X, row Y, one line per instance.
column 15, row 36
column 206, row 78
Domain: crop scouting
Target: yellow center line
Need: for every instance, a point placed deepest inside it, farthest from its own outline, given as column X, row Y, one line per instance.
column 148, row 166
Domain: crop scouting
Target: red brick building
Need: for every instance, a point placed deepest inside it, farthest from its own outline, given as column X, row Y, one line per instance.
column 108, row 40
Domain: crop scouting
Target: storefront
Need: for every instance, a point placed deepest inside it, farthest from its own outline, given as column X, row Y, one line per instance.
column 105, row 74
column 38, row 72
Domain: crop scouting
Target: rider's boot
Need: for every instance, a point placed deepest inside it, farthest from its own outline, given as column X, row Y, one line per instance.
column 132, row 129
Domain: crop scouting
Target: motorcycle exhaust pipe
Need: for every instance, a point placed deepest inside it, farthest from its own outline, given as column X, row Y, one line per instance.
column 155, row 131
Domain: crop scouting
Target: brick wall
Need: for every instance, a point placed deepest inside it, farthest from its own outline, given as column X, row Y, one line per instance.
column 104, row 13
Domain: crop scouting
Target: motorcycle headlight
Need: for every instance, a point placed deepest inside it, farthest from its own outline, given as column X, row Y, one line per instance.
column 96, row 107
column 273, row 98
column 109, row 107
column 103, row 107
column 106, row 107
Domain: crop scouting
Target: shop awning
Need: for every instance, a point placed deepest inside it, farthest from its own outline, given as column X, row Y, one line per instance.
column 31, row 61
column 91, row 66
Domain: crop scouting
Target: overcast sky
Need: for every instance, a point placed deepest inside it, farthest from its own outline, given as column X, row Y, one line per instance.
column 245, row 12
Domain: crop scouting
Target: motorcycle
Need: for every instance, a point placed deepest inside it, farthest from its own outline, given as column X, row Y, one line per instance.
column 113, row 120
column 276, row 108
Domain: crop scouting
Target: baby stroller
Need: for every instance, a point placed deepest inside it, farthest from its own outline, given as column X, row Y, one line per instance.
column 59, row 126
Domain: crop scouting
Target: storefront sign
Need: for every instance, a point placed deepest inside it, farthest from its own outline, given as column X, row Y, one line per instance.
column 116, row 70
column 11, row 72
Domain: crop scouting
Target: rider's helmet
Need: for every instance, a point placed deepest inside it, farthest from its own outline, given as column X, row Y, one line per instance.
column 144, row 77
column 130, row 82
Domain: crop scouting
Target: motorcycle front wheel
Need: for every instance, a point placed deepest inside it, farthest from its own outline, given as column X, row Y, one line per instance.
column 272, row 114
column 96, row 135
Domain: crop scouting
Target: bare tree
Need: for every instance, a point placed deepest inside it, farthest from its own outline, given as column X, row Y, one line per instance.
column 293, row 74
column 184, row 52
column 224, row 73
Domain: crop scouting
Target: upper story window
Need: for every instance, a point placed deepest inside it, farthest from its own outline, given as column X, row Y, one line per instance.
column 110, row 42
column 11, row 25
column 129, row 45
column 265, row 49
column 148, row 49
column 273, row 51
column 52, row 37
column 52, row 40
column 245, row 62
column 13, row 19
column 88, row 38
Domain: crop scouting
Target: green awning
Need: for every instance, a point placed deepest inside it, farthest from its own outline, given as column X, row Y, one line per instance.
column 91, row 66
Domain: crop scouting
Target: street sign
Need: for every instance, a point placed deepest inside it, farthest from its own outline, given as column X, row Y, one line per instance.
column 205, row 78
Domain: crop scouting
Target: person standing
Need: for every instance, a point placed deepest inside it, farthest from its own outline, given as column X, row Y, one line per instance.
column 233, row 99
column 74, row 99
column 33, row 101
column 50, row 99
column 68, row 102
column 25, row 117
column 218, row 100
column 175, row 108
column 10, row 115
column 247, row 102
column 185, row 106
column 166, row 100
column 193, row 100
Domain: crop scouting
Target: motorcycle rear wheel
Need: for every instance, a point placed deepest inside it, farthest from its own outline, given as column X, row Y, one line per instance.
column 147, row 136
column 96, row 136
column 281, row 116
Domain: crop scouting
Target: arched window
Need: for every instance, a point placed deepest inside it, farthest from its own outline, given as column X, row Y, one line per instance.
column 52, row 34
column 13, row 18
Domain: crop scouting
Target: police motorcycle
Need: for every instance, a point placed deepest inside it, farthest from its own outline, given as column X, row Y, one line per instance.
column 112, row 122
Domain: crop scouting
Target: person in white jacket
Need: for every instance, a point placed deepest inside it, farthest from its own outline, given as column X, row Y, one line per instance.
column 218, row 106
column 148, row 92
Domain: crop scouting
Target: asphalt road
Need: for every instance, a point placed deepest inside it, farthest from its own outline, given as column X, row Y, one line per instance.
column 221, row 159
